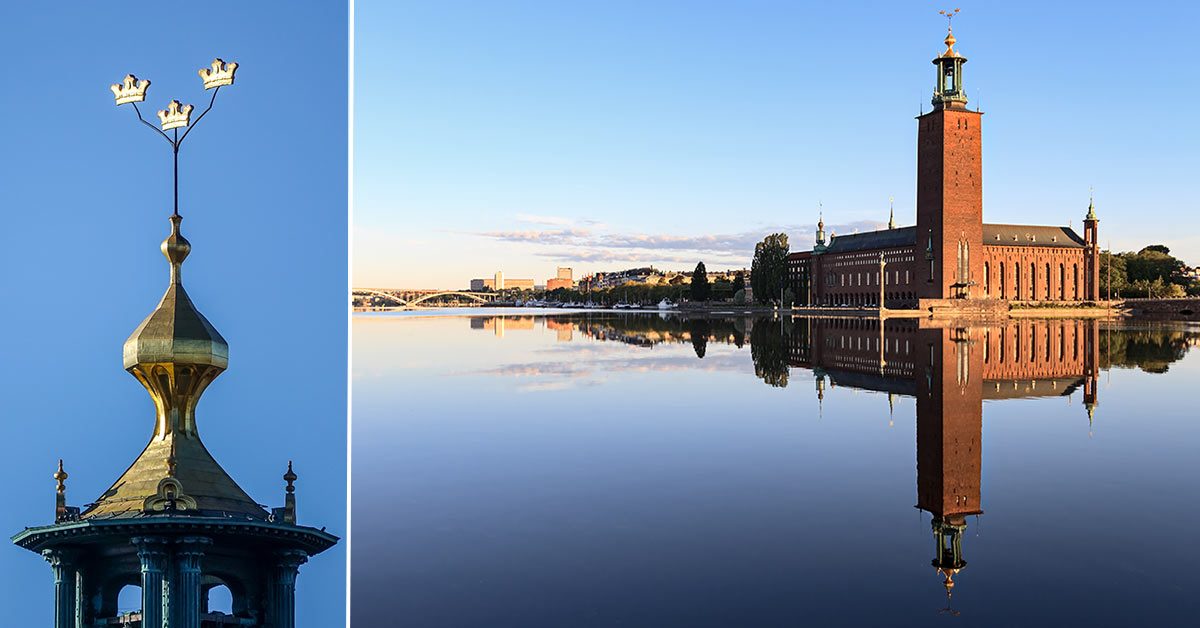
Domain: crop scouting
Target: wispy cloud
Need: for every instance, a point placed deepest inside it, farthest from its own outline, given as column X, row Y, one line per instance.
column 592, row 241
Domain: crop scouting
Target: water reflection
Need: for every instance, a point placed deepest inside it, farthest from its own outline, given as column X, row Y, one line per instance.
column 949, row 368
column 947, row 371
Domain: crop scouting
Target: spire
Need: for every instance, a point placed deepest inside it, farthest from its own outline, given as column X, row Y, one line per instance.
column 289, row 500
column 62, row 512
column 1091, row 215
column 891, row 212
column 175, row 353
column 949, row 41
column 820, row 245
column 61, row 476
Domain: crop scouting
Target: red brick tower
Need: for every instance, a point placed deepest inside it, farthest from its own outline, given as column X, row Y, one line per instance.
column 949, row 189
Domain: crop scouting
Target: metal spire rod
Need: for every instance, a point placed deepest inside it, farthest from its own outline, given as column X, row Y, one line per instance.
column 177, row 141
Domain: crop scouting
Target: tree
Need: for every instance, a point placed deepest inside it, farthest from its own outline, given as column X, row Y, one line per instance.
column 1161, row 248
column 739, row 281
column 1152, row 263
column 768, row 272
column 700, row 287
column 1119, row 278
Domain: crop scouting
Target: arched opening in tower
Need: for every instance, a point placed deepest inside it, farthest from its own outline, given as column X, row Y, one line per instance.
column 220, row 600
column 129, row 599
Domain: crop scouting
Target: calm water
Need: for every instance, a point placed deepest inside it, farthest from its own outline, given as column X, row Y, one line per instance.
column 639, row 470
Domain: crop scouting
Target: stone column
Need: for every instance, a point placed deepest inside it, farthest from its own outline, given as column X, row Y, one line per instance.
column 66, row 600
column 281, row 594
column 153, row 557
column 185, row 584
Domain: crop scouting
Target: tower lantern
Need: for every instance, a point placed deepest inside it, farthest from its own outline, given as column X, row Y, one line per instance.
column 949, row 91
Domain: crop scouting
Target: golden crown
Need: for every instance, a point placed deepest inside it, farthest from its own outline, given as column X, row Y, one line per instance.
column 132, row 91
column 175, row 116
column 220, row 74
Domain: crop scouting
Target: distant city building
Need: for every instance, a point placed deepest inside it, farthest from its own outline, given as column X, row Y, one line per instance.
column 564, row 279
column 499, row 282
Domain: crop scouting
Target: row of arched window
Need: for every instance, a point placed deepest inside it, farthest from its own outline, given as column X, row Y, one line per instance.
column 1021, row 282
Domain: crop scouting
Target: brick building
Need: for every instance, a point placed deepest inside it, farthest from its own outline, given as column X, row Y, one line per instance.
column 950, row 254
column 564, row 279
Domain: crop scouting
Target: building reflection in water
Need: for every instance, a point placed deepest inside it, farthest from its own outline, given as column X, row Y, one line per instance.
column 949, row 368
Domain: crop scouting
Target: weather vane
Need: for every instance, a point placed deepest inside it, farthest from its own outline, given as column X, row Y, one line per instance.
column 949, row 17
column 176, row 115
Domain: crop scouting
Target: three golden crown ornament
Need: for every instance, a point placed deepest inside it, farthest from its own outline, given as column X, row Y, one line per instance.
column 132, row 90
column 175, row 115
column 220, row 74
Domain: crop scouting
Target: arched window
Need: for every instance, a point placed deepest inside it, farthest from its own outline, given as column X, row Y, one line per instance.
column 987, row 278
column 129, row 599
column 1062, row 283
column 220, row 600
column 1003, row 295
column 1076, row 282
column 1047, row 282
column 1032, row 281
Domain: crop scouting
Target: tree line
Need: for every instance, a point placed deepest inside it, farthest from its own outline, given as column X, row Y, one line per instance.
column 1151, row 272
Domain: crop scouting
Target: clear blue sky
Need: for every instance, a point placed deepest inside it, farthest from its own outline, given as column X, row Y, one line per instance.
column 517, row 136
column 86, row 196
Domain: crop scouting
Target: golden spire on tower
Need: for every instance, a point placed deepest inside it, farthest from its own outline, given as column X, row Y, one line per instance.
column 949, row 33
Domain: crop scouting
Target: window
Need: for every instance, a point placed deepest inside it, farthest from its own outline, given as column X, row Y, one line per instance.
column 987, row 282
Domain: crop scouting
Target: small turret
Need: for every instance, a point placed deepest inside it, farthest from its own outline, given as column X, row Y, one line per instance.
column 820, row 246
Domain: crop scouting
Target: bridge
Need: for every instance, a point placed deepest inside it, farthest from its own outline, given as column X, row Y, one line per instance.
column 409, row 298
column 1175, row 307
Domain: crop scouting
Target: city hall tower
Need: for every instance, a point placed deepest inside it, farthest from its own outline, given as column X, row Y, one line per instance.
column 949, row 188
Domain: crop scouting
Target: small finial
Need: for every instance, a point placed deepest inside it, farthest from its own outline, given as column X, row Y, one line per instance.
column 61, row 476
column 290, row 477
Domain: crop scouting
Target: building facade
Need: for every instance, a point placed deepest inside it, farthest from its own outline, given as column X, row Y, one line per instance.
column 950, row 254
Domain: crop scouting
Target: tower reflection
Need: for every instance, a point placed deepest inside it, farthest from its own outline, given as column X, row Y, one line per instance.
column 950, row 369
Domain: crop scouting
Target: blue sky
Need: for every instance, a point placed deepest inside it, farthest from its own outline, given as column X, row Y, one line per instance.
column 87, row 193
column 522, row 135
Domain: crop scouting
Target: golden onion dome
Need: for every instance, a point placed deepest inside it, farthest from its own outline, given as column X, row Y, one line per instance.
column 175, row 353
column 176, row 332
